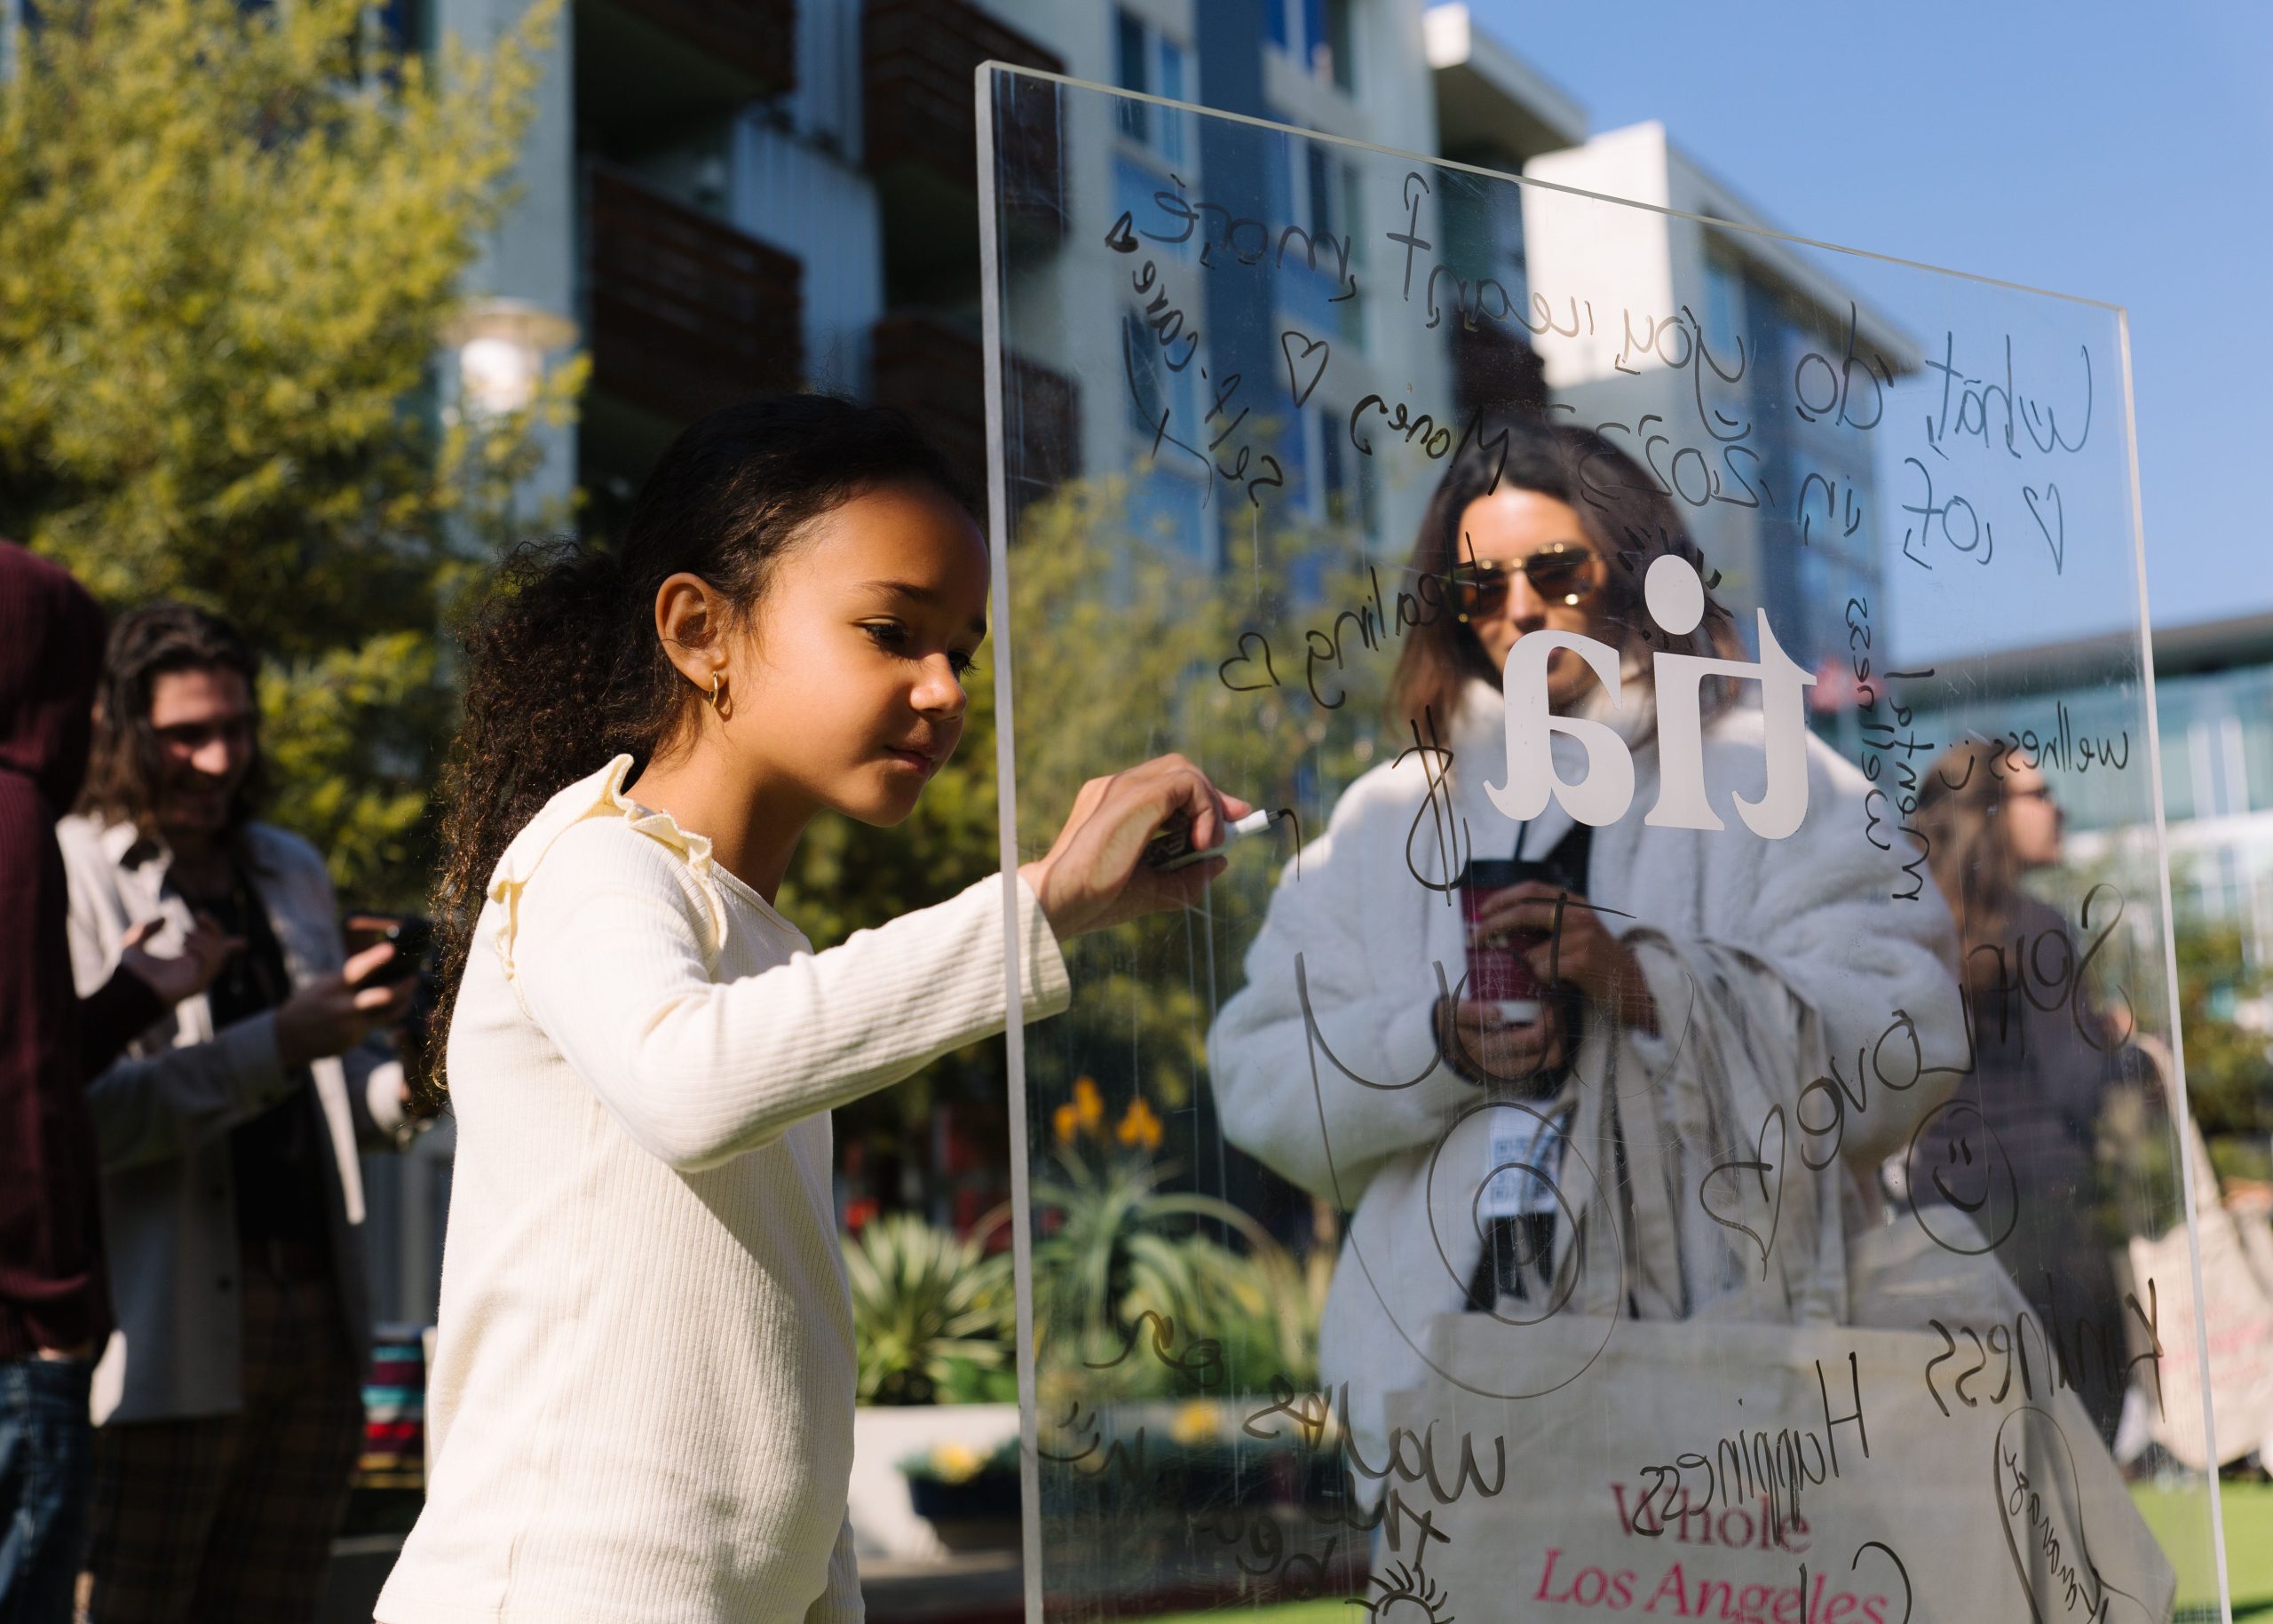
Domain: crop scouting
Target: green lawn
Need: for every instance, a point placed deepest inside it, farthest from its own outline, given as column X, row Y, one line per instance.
column 2180, row 1519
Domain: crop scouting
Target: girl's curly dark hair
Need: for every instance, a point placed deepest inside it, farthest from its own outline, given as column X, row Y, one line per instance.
column 564, row 671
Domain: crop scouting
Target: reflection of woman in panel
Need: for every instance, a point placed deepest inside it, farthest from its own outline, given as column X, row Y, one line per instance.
column 1699, row 978
column 2042, row 1076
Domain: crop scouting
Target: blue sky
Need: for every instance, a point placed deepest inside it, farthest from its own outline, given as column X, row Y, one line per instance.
column 2118, row 152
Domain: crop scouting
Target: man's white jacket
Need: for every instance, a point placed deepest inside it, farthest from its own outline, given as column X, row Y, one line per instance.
column 165, row 1110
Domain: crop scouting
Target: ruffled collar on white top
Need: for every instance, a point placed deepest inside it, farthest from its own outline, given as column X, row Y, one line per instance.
column 601, row 795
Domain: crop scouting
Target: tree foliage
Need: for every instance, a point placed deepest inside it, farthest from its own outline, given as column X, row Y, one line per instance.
column 2222, row 1003
column 231, row 239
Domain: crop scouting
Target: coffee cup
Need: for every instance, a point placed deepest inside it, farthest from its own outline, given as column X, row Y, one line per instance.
column 1499, row 968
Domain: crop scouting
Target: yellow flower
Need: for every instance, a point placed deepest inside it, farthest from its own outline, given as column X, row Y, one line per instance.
column 1195, row 1422
column 1139, row 1126
column 1066, row 1122
column 1088, row 1105
column 954, row 1461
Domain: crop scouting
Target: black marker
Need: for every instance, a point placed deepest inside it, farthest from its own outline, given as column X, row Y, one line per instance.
column 1171, row 848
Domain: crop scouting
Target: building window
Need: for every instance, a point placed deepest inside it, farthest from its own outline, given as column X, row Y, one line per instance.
column 1150, row 64
column 1145, row 403
column 1508, row 259
column 1316, row 33
column 405, row 25
column 2182, row 761
column 2256, row 710
column 1316, row 189
column 1724, row 301
column 1343, row 502
column 1154, row 388
column 1483, row 233
column 1131, row 70
column 1322, row 199
column 1172, row 87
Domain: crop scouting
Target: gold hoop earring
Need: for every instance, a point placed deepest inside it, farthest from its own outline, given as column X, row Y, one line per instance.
column 717, row 686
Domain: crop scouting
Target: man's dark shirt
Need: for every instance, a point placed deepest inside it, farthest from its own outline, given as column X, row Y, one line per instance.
column 53, row 1292
column 279, row 1178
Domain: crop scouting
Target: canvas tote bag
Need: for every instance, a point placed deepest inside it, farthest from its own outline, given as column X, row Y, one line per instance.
column 1817, row 1473
column 2236, row 1309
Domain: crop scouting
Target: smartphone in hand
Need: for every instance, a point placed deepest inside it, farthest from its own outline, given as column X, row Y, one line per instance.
column 411, row 935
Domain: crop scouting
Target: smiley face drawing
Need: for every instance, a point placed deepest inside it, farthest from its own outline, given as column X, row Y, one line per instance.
column 1974, row 1182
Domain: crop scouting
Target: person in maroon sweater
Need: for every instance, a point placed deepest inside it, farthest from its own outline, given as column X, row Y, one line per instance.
column 55, row 1297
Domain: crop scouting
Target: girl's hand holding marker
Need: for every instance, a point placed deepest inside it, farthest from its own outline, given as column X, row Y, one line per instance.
column 1100, row 871
column 1173, row 847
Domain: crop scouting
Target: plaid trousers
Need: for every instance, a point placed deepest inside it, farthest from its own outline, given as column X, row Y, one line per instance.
column 229, row 1518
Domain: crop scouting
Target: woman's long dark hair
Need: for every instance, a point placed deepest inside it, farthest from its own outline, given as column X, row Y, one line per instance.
column 1628, row 521
column 564, row 668
column 146, row 643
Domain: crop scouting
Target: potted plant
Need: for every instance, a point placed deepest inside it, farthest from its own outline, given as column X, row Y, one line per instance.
column 970, row 1497
column 932, row 1316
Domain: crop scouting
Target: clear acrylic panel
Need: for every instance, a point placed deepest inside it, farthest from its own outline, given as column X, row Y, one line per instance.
column 1661, row 1122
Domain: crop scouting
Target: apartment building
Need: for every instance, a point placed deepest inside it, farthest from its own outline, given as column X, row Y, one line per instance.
column 729, row 196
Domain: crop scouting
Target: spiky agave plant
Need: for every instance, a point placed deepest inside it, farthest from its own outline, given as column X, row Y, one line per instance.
column 1122, row 1248
column 923, row 1301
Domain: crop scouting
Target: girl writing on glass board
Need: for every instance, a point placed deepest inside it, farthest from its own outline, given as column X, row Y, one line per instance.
column 1657, row 993
column 641, row 1402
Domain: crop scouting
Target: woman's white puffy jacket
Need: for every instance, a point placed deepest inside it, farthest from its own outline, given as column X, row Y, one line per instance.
column 1771, row 963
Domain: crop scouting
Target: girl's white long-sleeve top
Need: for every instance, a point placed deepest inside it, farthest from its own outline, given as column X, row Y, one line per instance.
column 640, row 1409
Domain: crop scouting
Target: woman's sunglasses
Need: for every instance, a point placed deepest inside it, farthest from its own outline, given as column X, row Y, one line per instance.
column 1563, row 572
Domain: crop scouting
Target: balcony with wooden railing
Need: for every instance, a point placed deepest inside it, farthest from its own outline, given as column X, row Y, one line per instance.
column 687, row 313
column 917, row 57
column 920, row 132
column 648, row 67
column 936, row 374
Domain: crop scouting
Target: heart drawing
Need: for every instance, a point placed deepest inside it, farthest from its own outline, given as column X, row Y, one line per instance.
column 2056, row 528
column 1270, row 677
column 1761, row 1165
column 1296, row 362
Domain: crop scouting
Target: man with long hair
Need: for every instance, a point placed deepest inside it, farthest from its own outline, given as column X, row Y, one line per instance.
column 229, row 1404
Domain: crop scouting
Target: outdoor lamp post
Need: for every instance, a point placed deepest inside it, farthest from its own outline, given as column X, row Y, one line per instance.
column 501, row 347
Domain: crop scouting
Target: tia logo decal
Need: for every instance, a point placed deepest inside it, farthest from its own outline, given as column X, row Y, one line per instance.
column 1677, row 602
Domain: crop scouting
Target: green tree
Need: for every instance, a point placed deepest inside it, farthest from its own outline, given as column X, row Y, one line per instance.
column 230, row 238
column 2229, row 1059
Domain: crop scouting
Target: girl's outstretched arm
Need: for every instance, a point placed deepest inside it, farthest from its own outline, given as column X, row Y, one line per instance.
column 610, row 954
